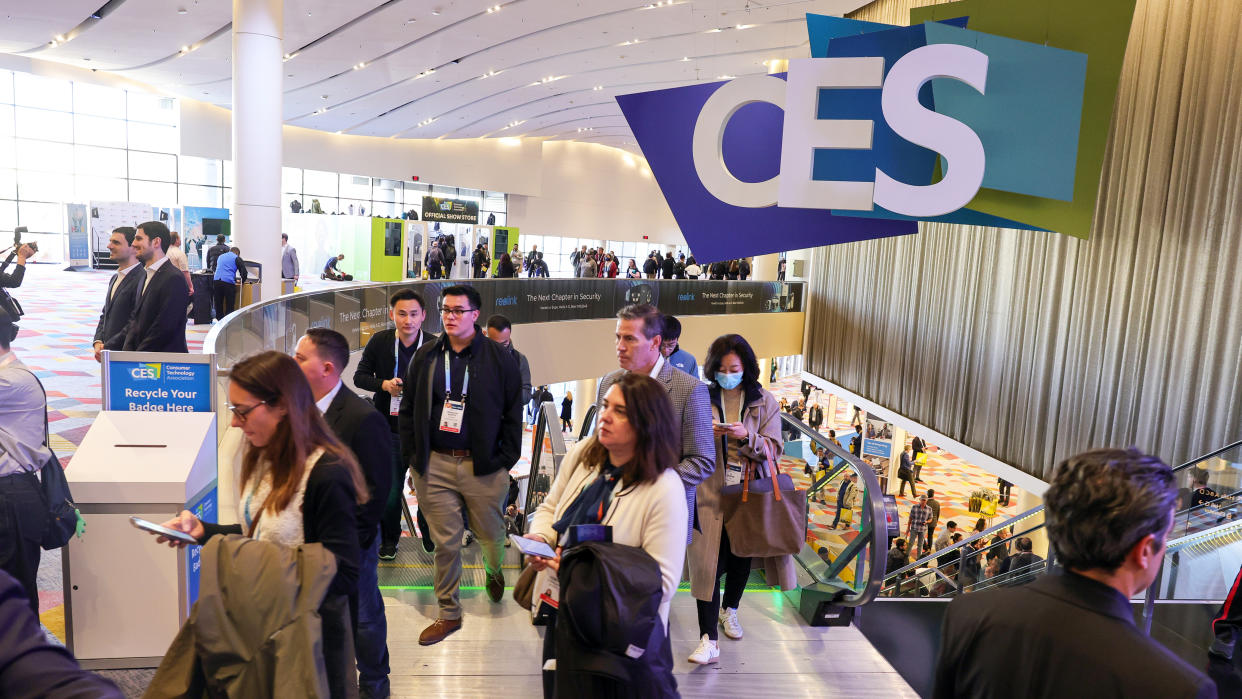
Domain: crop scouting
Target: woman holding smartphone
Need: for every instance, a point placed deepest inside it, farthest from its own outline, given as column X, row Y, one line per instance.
column 624, row 476
column 746, row 425
column 299, row 483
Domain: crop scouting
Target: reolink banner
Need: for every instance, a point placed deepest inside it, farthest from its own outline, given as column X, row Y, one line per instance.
column 982, row 112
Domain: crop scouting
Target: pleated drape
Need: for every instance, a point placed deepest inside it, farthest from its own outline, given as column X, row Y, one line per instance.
column 1033, row 346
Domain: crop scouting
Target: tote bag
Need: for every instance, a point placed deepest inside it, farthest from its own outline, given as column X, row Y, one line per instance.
column 764, row 517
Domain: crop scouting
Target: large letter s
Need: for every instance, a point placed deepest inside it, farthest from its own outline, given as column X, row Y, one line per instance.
column 959, row 145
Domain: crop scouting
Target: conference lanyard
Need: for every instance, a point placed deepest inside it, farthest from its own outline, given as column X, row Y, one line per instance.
column 448, row 380
column 397, row 371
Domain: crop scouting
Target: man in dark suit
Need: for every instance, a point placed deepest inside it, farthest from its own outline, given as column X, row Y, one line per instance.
column 323, row 354
column 158, row 320
column 382, row 370
column 1071, row 633
column 122, row 293
column 639, row 329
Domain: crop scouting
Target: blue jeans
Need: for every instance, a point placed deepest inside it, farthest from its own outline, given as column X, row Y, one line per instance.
column 371, row 641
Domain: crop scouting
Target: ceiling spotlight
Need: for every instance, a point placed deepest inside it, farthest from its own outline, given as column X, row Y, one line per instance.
column 182, row 11
column 360, row 66
column 597, row 88
column 291, row 56
column 685, row 58
column 59, row 37
column 410, row 21
column 436, row 12
column 323, row 97
column 713, row 31
column 744, row 26
column 185, row 49
column 493, row 8
column 725, row 77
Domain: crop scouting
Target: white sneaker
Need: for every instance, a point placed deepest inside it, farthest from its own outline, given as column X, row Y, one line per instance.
column 707, row 652
column 728, row 621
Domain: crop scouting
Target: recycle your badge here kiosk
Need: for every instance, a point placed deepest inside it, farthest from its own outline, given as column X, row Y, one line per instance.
column 149, row 454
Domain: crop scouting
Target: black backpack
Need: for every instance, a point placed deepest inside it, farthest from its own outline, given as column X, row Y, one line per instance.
column 62, row 513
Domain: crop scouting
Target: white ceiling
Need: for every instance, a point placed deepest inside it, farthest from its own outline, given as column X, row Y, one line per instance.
column 537, row 68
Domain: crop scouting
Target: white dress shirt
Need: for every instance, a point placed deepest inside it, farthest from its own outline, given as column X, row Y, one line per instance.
column 151, row 269
column 324, row 402
column 120, row 277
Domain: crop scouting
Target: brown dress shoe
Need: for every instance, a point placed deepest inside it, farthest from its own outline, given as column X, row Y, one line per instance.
column 496, row 587
column 438, row 631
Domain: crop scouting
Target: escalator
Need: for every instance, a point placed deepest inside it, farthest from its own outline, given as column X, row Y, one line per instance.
column 836, row 573
column 1202, row 557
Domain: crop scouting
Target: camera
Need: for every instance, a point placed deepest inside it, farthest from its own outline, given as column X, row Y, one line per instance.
column 17, row 239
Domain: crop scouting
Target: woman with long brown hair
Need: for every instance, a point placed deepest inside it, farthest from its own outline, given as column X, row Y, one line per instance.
column 299, row 483
column 624, row 476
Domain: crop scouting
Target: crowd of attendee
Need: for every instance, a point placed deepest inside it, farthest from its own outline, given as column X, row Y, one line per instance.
column 324, row 469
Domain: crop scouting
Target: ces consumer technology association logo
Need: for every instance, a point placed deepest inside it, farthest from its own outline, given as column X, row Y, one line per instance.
column 982, row 112
column 150, row 371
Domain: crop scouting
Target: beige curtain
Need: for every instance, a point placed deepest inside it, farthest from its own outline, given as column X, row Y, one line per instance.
column 1034, row 346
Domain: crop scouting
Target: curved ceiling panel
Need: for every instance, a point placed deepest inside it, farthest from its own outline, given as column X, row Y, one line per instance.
column 438, row 68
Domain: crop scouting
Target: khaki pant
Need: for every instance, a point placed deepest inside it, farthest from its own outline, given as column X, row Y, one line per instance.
column 446, row 491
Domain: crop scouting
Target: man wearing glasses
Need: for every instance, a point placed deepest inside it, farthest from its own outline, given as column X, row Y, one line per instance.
column 460, row 422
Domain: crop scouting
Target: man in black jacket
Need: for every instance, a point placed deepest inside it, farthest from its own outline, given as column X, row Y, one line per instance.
column 122, row 293
column 382, row 370
column 158, row 321
column 650, row 266
column 667, row 267
column 461, row 428
column 215, row 251
column 499, row 329
column 1108, row 512
column 323, row 354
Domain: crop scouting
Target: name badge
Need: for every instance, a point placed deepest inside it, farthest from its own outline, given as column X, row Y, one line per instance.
column 733, row 473
column 394, row 405
column 452, row 415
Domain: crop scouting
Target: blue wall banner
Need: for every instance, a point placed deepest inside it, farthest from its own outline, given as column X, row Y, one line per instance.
column 158, row 382
column 203, row 506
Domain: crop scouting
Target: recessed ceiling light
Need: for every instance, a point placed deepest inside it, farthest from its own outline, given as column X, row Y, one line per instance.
column 685, row 58
column 185, row 49
column 436, row 12
column 182, row 11
column 410, row 21
column 598, row 87
column 323, row 97
column 744, row 26
column 713, row 31
column 725, row 77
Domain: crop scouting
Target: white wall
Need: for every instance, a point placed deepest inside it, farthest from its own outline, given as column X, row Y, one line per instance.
column 593, row 191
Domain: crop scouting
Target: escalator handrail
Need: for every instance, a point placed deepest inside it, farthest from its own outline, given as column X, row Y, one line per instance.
column 536, row 453
column 875, row 504
column 1013, row 520
column 584, row 430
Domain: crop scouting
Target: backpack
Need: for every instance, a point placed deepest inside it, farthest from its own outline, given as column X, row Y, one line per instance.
column 62, row 513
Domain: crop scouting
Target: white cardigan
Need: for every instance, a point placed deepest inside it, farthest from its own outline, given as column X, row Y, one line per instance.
column 651, row 516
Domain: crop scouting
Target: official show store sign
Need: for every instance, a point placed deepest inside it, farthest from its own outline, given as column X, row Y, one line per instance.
column 450, row 210
column 162, row 387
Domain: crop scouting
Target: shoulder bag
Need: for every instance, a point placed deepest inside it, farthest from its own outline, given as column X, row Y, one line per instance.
column 764, row 517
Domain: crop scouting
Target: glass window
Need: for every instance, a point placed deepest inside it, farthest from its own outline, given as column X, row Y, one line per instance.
column 355, row 187
column 44, row 124
column 43, row 93
column 291, row 180
column 43, row 186
column 8, row 151
column 439, row 191
column 154, row 193
column 358, row 204
column 386, row 209
column 494, row 201
column 87, row 188
column 153, row 137
column 152, row 166
column 194, row 170
column 45, row 156
column 104, row 162
column 500, row 218
column 319, row 182
column 199, row 195
column 228, row 197
column 152, row 109
column 8, row 213
column 41, row 218
column 98, row 100
column 8, row 186
column 6, row 92
column 99, row 131
column 6, row 120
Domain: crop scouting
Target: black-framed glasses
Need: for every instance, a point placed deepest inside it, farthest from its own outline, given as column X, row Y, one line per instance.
column 455, row 312
column 242, row 411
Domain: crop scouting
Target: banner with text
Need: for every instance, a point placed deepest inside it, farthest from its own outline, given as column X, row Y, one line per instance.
column 450, row 210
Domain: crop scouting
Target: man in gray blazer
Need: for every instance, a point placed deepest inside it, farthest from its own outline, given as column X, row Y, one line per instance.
column 288, row 260
column 639, row 328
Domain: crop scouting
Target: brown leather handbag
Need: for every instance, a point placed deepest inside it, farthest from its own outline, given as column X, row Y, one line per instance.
column 764, row 517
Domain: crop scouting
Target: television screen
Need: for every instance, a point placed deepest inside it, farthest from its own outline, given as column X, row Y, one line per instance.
column 392, row 238
column 215, row 226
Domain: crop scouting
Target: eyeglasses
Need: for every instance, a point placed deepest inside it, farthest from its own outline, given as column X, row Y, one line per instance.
column 242, row 411
column 455, row 312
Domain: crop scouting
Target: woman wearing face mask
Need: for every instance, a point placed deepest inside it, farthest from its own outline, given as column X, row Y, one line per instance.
column 746, row 425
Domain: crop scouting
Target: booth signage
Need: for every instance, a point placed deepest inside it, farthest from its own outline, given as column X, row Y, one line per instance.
column 964, row 119
column 151, row 382
column 450, row 210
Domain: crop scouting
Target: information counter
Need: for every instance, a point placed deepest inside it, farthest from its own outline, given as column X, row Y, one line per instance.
column 126, row 596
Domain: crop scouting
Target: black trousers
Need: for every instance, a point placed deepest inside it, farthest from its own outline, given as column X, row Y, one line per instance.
column 736, row 571
column 23, row 519
column 225, row 296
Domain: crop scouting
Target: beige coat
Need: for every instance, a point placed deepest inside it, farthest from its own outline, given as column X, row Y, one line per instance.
column 761, row 417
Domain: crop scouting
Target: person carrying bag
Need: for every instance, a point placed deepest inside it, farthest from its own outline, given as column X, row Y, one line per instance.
column 747, row 429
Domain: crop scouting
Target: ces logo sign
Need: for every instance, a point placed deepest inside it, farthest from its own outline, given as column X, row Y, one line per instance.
column 988, row 113
column 146, row 371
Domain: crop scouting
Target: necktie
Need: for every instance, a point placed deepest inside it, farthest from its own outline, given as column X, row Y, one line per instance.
column 112, row 285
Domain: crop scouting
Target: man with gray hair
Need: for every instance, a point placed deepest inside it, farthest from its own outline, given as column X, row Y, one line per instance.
column 639, row 329
column 1071, row 632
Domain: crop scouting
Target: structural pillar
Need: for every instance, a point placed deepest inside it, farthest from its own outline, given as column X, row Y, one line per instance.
column 584, row 396
column 764, row 267
column 258, row 89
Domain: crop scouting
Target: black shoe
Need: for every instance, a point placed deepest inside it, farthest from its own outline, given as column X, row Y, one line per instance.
column 387, row 552
column 495, row 587
column 428, row 544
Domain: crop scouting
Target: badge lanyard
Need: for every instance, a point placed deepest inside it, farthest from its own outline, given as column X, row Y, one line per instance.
column 448, row 380
column 394, row 404
column 453, row 415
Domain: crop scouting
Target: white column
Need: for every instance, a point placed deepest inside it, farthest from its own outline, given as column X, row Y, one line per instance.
column 584, row 396
column 764, row 267
column 257, row 119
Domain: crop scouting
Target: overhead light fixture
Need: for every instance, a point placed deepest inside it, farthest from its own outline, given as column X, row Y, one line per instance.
column 323, row 97
column 360, row 66
column 488, row 74
column 744, row 26
column 685, row 58
column 725, row 77
column 597, row 88
column 493, row 8
column 182, row 11
column 291, row 56
column 436, row 12
column 185, row 49
column 410, row 21
column 713, row 31
column 59, row 37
